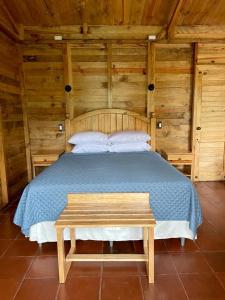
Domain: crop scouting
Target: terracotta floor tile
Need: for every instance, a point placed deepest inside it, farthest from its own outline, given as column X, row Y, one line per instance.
column 120, row 280
column 166, row 287
column 21, row 236
column 175, row 245
column 51, row 248
column 163, row 265
column 48, row 249
column 210, row 241
column 4, row 244
column 8, row 230
column 159, row 246
column 22, row 248
column 80, row 288
column 216, row 185
column 218, row 225
column 85, row 269
column 203, row 286
column 193, row 262
column 221, row 277
column 120, row 268
column 216, row 260
column 119, row 247
column 122, row 288
column 89, row 246
column 38, row 289
column 44, row 267
column 203, row 188
column 3, row 218
column 14, row 267
column 138, row 247
column 8, row 288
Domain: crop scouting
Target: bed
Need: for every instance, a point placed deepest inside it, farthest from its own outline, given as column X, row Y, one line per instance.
column 173, row 197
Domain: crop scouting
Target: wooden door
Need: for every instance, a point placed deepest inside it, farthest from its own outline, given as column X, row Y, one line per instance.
column 209, row 123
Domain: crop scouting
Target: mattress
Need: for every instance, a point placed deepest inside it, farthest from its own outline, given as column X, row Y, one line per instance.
column 172, row 195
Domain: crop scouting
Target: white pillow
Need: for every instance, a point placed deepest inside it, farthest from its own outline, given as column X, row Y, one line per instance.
column 128, row 136
column 130, row 147
column 88, row 137
column 90, row 148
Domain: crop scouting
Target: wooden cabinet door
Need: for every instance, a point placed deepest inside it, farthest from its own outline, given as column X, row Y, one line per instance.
column 209, row 123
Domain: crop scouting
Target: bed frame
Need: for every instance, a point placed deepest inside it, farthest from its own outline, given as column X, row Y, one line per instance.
column 111, row 120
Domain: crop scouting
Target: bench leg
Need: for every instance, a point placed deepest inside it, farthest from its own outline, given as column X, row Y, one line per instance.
column 72, row 240
column 145, row 238
column 62, row 265
column 151, row 254
column 145, row 244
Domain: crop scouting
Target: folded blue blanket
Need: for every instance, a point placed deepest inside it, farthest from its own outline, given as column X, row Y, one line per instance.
column 172, row 195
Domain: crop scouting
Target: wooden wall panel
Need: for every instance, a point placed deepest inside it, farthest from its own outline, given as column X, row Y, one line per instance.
column 90, row 82
column 173, row 96
column 210, row 121
column 108, row 75
column 12, row 118
column 129, row 77
column 44, row 95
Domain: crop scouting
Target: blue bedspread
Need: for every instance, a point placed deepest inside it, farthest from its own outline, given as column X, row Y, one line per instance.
column 172, row 195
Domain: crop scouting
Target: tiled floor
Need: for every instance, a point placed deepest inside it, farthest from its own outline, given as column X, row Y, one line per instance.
column 196, row 271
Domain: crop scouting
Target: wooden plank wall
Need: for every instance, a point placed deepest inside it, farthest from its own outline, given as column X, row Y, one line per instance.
column 90, row 79
column 129, row 77
column 210, row 112
column 44, row 95
column 12, row 117
column 173, row 96
column 108, row 75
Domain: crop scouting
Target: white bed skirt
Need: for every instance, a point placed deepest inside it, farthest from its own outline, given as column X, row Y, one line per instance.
column 45, row 232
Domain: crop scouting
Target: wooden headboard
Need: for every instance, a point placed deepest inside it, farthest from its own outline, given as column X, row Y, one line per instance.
column 111, row 120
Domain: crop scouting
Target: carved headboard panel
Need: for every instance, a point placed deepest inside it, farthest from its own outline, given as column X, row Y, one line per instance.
column 109, row 121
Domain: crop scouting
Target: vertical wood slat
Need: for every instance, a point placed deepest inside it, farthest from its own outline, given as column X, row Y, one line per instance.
column 194, row 146
column 151, row 79
column 68, row 80
column 25, row 122
column 151, row 94
column 109, row 70
column 113, row 123
column 125, row 122
column 119, row 123
column 196, row 119
column 3, row 175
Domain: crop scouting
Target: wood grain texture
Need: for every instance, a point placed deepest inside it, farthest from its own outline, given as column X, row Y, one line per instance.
column 45, row 99
column 173, row 96
column 12, row 118
column 109, row 121
column 115, row 12
column 3, row 176
column 209, row 123
column 105, row 210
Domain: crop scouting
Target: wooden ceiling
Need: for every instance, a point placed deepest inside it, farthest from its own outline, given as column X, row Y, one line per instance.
column 115, row 12
column 173, row 20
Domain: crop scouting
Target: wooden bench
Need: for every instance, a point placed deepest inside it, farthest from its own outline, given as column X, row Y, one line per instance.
column 106, row 210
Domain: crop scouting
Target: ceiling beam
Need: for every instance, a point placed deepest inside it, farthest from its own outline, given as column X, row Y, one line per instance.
column 10, row 18
column 174, row 19
column 9, row 26
column 7, row 31
column 202, row 32
column 91, row 32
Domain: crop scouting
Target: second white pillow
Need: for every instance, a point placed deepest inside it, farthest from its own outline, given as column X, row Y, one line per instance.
column 130, row 147
column 128, row 136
